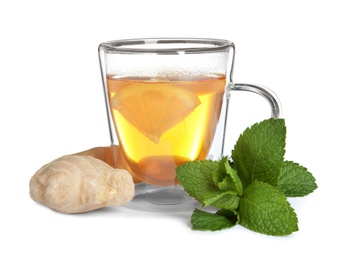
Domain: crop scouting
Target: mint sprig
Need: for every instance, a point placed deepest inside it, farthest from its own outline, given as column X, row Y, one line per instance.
column 252, row 188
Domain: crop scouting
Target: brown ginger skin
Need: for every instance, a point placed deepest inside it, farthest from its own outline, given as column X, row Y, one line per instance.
column 76, row 184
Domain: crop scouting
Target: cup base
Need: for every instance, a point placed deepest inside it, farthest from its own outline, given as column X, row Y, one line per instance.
column 161, row 198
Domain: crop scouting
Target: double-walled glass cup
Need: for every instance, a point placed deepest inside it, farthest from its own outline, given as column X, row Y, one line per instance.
column 167, row 102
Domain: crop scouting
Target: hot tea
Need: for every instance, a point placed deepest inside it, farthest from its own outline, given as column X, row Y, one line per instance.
column 164, row 122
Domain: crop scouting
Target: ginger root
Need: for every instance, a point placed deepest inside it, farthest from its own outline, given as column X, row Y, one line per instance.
column 76, row 184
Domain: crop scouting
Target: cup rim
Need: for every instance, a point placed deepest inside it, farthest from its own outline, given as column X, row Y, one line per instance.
column 166, row 45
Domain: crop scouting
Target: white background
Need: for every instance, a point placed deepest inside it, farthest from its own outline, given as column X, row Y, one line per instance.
column 51, row 104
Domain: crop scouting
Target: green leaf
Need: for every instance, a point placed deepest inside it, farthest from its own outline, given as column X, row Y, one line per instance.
column 196, row 178
column 258, row 153
column 236, row 184
column 226, row 184
column 219, row 175
column 265, row 210
column 230, row 214
column 226, row 177
column 202, row 220
column 222, row 199
column 228, row 201
column 295, row 180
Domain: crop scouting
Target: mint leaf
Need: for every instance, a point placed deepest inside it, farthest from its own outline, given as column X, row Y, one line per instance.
column 228, row 202
column 226, row 184
column 196, row 178
column 236, row 183
column 258, row 153
column 295, row 180
column 221, row 172
column 230, row 214
column 222, row 199
column 201, row 220
column 226, row 177
column 265, row 210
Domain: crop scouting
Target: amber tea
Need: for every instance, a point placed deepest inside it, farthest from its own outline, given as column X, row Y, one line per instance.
column 162, row 123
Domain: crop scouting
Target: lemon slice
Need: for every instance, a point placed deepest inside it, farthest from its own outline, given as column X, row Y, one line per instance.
column 154, row 108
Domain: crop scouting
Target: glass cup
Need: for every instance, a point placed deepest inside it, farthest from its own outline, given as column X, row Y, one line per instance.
column 167, row 101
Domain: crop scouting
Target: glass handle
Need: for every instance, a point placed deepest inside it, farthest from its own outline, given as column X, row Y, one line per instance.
column 269, row 95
